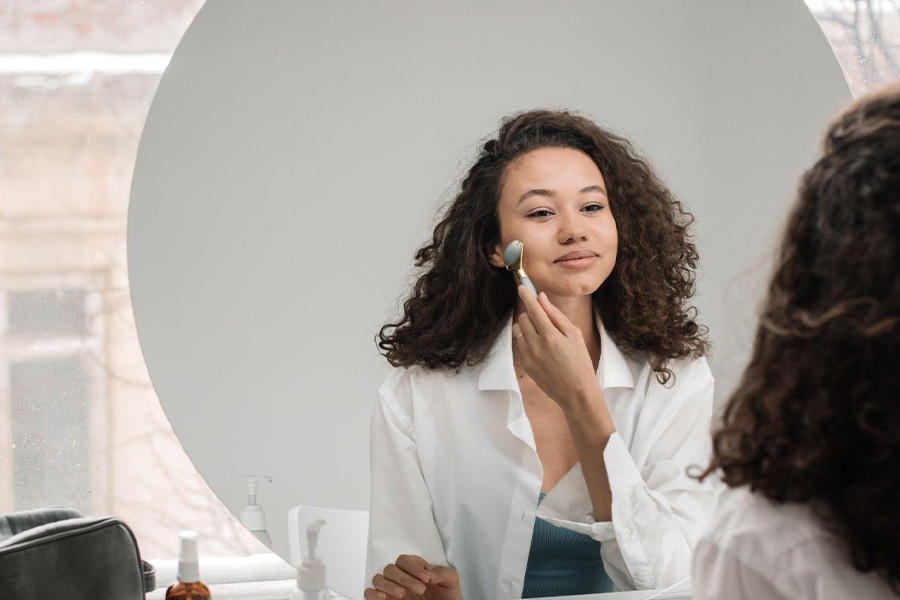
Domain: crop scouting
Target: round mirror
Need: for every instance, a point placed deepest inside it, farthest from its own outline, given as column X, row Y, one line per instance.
column 297, row 154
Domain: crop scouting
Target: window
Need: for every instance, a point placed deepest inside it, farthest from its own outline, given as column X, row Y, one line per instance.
column 50, row 433
column 53, row 410
column 54, row 312
column 80, row 424
column 865, row 36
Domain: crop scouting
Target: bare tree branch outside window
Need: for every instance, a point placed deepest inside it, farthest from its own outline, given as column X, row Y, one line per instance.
column 865, row 35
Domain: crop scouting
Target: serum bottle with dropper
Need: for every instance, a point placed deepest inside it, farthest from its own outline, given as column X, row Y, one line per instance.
column 188, row 586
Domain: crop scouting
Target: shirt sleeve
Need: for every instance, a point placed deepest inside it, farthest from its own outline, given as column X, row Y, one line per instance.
column 401, row 519
column 718, row 573
column 658, row 511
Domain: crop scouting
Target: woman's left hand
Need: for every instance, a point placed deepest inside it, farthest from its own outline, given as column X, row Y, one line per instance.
column 553, row 351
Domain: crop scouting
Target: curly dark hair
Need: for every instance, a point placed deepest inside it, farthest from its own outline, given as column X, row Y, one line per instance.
column 816, row 417
column 459, row 304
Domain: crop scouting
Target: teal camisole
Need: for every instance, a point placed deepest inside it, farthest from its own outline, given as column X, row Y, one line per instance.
column 562, row 562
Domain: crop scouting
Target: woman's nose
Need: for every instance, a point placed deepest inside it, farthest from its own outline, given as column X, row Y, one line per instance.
column 570, row 227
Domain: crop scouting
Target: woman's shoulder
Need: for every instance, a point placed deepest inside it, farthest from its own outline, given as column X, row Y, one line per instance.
column 694, row 369
column 688, row 375
column 751, row 525
column 787, row 544
column 398, row 386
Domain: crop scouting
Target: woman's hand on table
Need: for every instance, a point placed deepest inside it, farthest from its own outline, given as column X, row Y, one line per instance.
column 410, row 577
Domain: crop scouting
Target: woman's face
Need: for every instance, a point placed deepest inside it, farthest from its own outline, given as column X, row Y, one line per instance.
column 554, row 201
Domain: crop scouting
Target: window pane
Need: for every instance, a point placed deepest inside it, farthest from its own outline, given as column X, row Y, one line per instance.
column 49, row 410
column 48, row 312
column 865, row 36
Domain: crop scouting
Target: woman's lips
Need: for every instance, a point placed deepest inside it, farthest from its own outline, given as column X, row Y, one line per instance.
column 576, row 263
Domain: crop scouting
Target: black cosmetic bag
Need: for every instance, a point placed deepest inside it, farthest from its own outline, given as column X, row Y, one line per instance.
column 54, row 552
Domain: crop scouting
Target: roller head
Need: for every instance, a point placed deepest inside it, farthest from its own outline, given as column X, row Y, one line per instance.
column 513, row 253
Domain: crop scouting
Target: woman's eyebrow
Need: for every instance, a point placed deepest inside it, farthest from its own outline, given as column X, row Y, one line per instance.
column 541, row 192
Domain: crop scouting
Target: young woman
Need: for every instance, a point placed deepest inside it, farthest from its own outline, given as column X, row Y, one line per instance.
column 529, row 447
column 810, row 441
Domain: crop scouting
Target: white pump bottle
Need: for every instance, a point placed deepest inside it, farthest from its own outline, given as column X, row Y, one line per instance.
column 311, row 570
column 252, row 516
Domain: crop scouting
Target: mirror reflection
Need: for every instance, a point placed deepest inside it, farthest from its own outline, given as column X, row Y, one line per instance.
column 540, row 444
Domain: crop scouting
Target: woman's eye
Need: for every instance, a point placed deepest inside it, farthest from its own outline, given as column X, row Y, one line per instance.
column 599, row 207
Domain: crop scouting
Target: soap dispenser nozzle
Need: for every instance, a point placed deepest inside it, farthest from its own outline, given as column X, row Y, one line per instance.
column 312, row 538
column 253, row 484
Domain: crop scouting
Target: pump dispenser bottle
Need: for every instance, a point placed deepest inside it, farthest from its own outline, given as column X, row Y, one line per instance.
column 252, row 516
column 311, row 570
column 188, row 586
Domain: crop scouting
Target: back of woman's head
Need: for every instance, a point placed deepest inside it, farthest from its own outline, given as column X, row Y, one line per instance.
column 816, row 417
column 459, row 303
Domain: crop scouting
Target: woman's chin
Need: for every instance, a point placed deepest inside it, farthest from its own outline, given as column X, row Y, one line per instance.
column 568, row 289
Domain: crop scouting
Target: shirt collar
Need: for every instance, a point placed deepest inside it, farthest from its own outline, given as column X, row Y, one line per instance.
column 498, row 373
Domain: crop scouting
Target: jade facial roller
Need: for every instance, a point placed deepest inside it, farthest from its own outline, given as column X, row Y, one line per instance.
column 514, row 258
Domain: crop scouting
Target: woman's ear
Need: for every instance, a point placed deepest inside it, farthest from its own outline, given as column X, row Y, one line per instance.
column 495, row 256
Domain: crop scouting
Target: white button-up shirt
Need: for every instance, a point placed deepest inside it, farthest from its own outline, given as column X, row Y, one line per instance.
column 756, row 549
column 456, row 475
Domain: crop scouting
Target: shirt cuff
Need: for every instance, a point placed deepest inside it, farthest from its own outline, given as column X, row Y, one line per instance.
column 627, row 486
column 625, row 483
column 578, row 515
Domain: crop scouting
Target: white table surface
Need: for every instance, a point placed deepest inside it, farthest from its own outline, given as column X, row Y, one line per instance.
column 267, row 577
column 281, row 590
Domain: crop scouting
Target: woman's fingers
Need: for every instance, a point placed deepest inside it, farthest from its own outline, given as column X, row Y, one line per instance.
column 373, row 594
column 526, row 324
column 394, row 573
column 557, row 317
column 415, row 566
column 444, row 576
column 409, row 573
column 536, row 313
column 383, row 584
column 405, row 579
